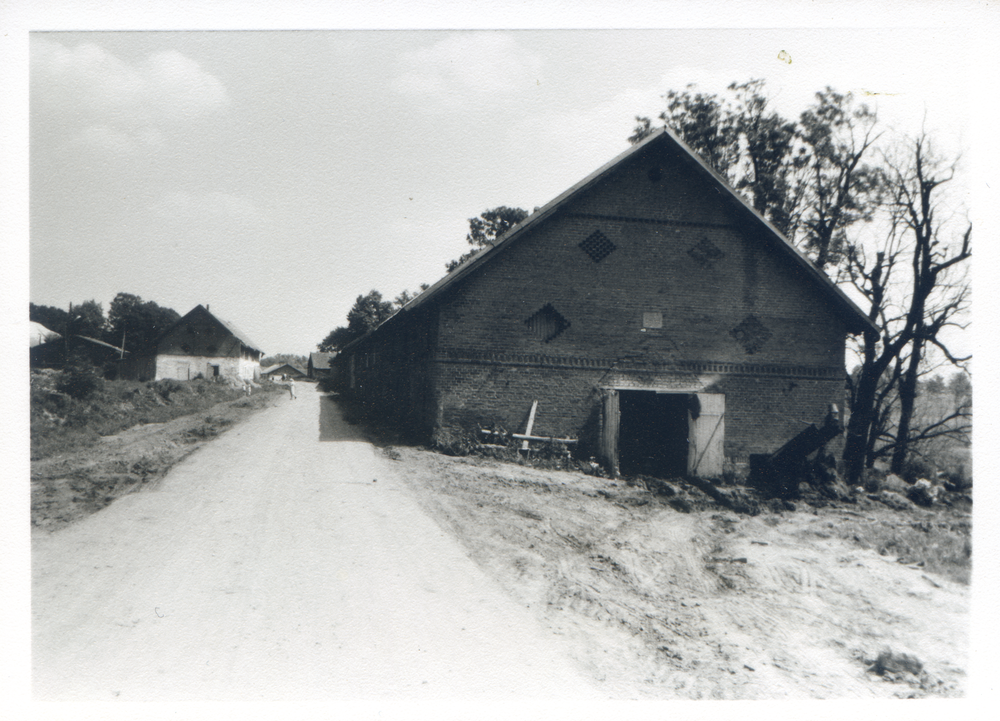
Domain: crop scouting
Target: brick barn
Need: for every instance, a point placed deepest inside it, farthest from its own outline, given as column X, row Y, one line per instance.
column 650, row 311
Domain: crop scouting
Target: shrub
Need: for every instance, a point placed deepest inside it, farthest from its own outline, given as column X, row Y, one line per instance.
column 915, row 468
column 166, row 387
column 79, row 379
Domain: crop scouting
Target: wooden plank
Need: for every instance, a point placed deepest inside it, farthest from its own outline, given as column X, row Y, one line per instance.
column 609, row 431
column 531, row 423
column 707, row 433
column 525, row 437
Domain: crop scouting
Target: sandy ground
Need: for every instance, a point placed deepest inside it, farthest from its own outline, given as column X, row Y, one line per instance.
column 659, row 604
column 285, row 560
column 291, row 559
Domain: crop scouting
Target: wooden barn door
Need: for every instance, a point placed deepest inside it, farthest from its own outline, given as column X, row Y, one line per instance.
column 609, row 430
column 706, row 434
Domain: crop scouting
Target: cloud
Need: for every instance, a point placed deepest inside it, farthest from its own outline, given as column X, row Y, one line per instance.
column 480, row 64
column 105, row 102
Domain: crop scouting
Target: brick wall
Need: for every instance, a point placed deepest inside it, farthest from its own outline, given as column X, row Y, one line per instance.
column 669, row 291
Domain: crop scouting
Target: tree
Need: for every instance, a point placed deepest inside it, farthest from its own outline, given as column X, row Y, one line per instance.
column 365, row 315
column 840, row 188
column 406, row 296
column 52, row 318
column 137, row 323
column 808, row 174
column 280, row 358
column 961, row 388
column 488, row 229
column 336, row 339
column 934, row 386
column 934, row 295
column 87, row 319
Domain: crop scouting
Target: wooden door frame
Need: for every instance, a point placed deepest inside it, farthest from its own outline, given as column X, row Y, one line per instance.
column 609, row 441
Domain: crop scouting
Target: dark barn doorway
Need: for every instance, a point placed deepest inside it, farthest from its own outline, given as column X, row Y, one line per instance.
column 653, row 433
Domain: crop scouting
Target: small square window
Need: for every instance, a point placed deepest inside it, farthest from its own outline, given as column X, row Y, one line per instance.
column 652, row 319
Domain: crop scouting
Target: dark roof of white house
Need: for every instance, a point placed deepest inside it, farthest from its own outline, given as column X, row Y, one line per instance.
column 855, row 318
column 237, row 333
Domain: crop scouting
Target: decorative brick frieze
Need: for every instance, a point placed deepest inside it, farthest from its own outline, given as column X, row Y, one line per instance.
column 453, row 355
column 648, row 221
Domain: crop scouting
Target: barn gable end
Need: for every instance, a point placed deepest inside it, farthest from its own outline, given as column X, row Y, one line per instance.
column 646, row 296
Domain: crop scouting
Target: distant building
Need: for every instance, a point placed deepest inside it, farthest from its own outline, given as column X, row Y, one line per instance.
column 282, row 369
column 198, row 344
column 57, row 350
column 40, row 334
column 651, row 312
column 320, row 365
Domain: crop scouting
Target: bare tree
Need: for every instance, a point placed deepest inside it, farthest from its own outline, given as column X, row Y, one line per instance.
column 935, row 292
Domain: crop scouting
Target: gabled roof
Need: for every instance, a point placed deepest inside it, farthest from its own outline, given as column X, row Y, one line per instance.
column 855, row 319
column 237, row 333
column 278, row 366
column 40, row 334
column 321, row 361
column 102, row 343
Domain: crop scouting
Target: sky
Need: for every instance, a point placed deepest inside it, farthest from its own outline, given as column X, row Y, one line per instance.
column 275, row 176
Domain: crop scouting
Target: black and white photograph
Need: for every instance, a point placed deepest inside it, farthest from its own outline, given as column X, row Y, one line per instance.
column 541, row 365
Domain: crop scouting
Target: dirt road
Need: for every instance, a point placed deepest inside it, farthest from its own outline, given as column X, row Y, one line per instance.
column 283, row 561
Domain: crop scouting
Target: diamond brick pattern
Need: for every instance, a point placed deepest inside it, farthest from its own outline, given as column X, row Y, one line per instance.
column 705, row 253
column 547, row 323
column 751, row 334
column 597, row 246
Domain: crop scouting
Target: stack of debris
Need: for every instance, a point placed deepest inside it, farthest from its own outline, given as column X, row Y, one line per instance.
column 788, row 473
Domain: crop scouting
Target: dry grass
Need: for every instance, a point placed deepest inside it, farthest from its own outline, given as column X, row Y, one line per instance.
column 61, row 423
column 938, row 541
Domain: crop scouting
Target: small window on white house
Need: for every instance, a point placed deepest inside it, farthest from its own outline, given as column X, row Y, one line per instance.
column 652, row 319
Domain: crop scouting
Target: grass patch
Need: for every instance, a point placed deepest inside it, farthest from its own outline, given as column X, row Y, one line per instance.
column 942, row 544
column 61, row 422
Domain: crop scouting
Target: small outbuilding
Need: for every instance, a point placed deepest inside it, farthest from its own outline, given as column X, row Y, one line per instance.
column 282, row 369
column 651, row 312
column 320, row 365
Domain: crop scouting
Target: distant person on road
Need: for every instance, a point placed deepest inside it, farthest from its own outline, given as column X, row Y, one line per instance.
column 247, row 387
column 291, row 388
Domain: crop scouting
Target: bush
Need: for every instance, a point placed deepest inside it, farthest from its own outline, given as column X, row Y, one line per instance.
column 915, row 468
column 79, row 379
column 453, row 442
column 166, row 387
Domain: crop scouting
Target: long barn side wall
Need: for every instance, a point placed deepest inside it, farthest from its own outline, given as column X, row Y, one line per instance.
column 390, row 374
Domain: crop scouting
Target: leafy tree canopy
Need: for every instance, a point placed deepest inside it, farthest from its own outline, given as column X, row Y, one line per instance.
column 280, row 358
column 365, row 315
column 487, row 229
column 139, row 322
column 56, row 319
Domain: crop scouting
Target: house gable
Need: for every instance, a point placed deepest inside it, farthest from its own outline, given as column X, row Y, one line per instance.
column 199, row 333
